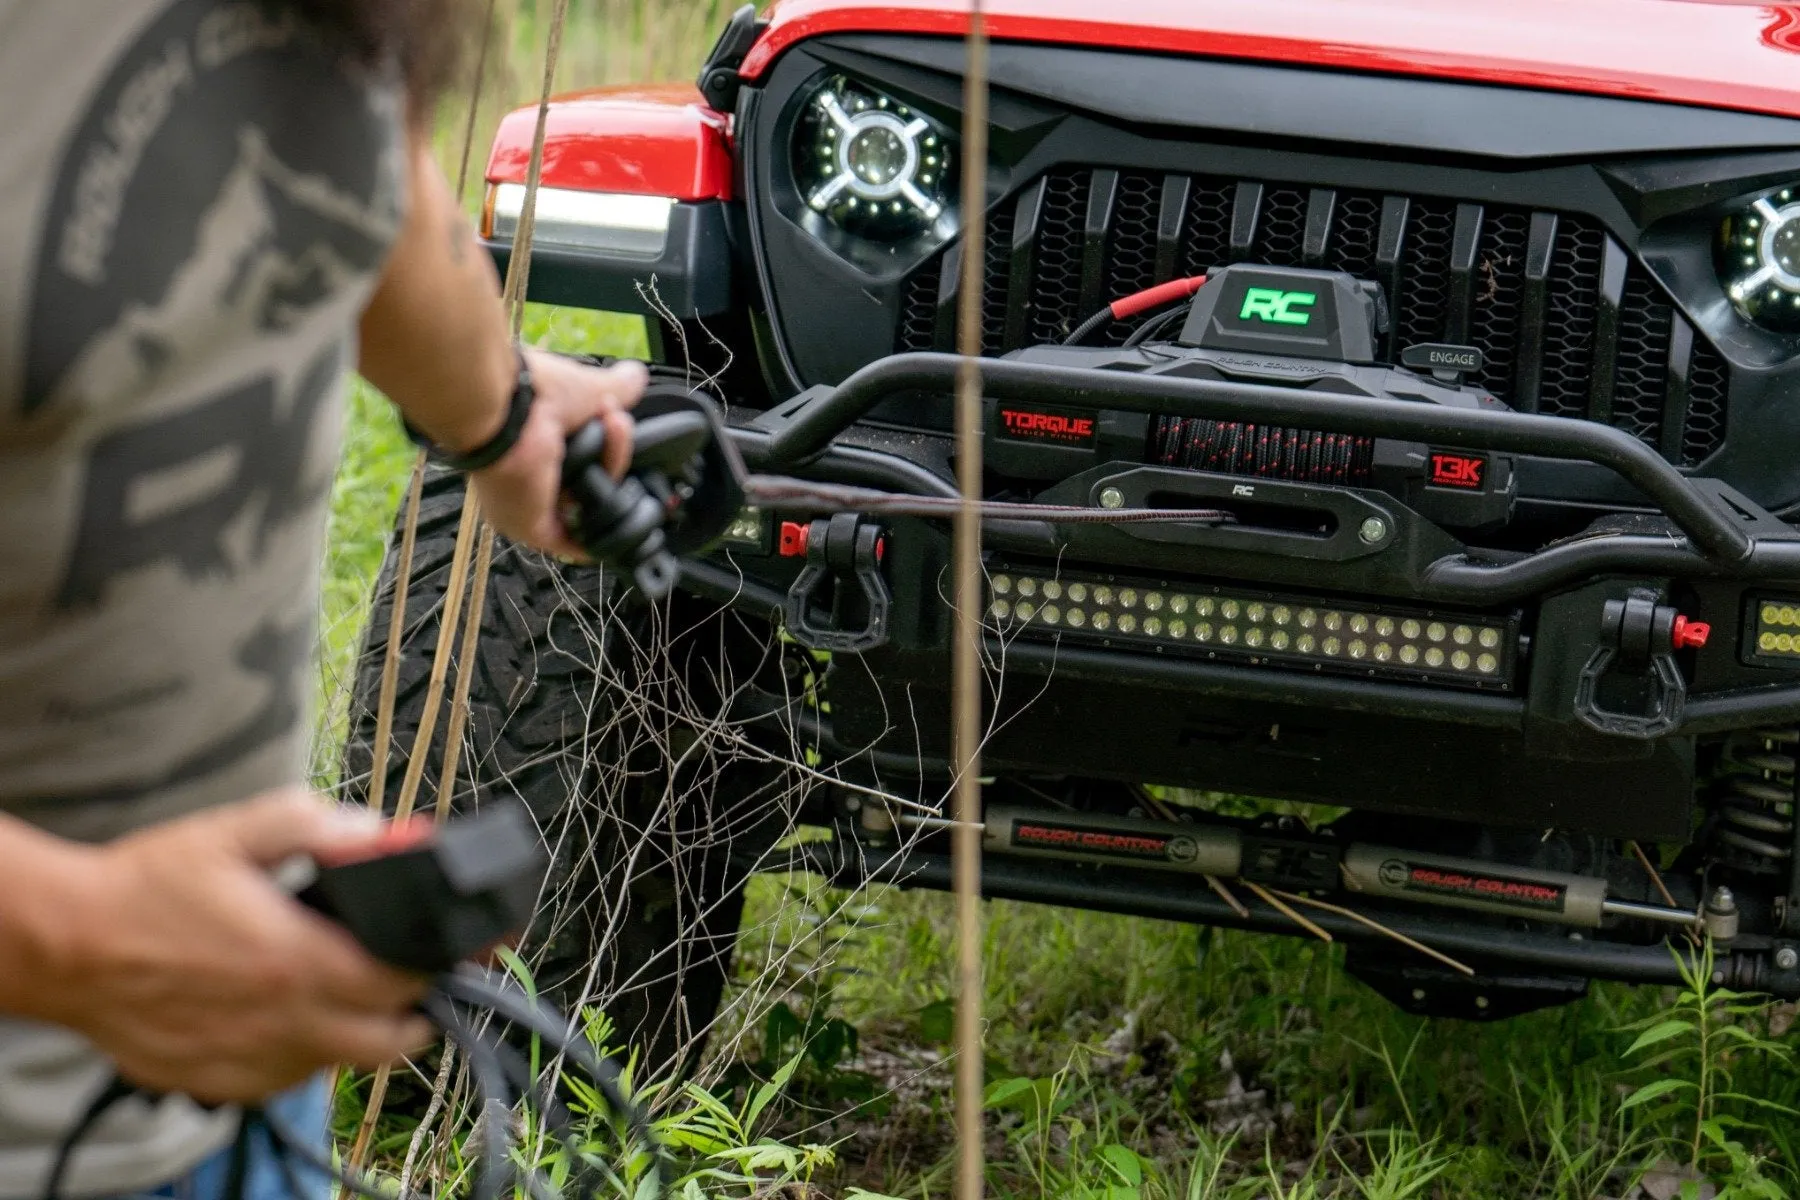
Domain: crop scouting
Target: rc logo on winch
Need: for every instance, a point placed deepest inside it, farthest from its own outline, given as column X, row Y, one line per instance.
column 1278, row 307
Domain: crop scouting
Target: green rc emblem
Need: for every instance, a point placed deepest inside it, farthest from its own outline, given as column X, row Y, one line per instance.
column 1278, row 307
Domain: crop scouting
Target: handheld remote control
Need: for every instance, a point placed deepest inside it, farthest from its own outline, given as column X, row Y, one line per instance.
column 430, row 896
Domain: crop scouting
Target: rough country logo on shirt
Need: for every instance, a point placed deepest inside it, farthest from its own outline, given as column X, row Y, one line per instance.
column 231, row 183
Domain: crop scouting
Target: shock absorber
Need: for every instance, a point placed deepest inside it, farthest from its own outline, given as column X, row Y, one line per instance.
column 1754, row 803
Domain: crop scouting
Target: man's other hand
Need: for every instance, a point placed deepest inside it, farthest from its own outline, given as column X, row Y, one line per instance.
column 179, row 957
column 521, row 494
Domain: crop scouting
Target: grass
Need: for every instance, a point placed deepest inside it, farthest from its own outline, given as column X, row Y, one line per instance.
column 1127, row 1058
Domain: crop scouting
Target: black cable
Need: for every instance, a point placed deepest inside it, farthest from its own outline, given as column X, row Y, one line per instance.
column 551, row 1110
column 237, row 1165
column 116, row 1089
column 469, row 986
column 289, row 1177
column 498, row 1172
column 1156, row 325
column 1089, row 327
column 501, row 1073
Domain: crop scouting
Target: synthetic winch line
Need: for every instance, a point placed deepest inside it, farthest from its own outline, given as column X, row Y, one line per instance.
column 777, row 493
column 965, row 699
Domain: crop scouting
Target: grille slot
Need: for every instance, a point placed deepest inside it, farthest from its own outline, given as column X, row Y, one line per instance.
column 1532, row 299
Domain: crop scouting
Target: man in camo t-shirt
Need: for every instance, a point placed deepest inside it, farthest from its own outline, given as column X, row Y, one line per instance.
column 209, row 211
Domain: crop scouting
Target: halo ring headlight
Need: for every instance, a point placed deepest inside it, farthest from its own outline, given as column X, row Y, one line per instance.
column 870, row 165
column 1759, row 260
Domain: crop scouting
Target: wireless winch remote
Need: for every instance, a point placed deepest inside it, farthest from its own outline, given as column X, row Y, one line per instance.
column 430, row 896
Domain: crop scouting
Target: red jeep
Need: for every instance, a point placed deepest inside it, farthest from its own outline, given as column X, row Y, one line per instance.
column 1478, row 370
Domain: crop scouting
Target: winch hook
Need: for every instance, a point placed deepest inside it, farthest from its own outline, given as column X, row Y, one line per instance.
column 683, row 489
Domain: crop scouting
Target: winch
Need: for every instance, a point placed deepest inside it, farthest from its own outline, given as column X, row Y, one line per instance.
column 1314, row 331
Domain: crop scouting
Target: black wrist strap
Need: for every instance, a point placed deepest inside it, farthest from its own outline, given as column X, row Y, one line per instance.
column 496, row 447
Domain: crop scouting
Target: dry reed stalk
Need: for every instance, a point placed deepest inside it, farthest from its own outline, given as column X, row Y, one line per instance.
column 365, row 1132
column 518, row 268
column 468, row 138
column 390, row 662
column 966, row 659
column 1655, row 875
column 1378, row 927
column 440, row 1096
column 1275, row 903
column 1228, row 896
column 1693, row 935
column 448, row 624
column 415, row 771
column 465, row 673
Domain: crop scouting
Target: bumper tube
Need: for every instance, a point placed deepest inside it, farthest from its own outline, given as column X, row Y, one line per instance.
column 1716, row 542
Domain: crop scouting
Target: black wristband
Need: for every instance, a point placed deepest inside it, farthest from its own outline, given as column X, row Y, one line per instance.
column 496, row 447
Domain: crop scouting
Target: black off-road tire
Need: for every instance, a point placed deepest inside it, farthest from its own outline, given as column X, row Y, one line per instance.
column 643, row 919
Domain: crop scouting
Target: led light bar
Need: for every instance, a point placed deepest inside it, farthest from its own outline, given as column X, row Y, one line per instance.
column 611, row 221
column 1257, row 628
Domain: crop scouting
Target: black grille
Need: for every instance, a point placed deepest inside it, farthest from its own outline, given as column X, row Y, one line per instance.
column 1281, row 227
column 1546, row 296
column 1500, row 296
column 1641, row 377
column 1425, row 279
column 1056, row 285
column 1707, row 385
column 1356, row 225
column 1569, row 331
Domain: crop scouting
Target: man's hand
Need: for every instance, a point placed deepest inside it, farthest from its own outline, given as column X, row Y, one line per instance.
column 174, row 952
column 521, row 494
column 435, row 339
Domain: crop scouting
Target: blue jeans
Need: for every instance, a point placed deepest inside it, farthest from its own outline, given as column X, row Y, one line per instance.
column 307, row 1111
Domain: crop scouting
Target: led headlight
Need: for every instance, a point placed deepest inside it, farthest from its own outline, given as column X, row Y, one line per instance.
column 1759, row 260
column 870, row 165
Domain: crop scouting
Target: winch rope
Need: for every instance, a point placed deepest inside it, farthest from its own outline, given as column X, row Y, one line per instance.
column 778, row 493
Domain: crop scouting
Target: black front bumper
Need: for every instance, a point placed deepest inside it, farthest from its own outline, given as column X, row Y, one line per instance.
column 1538, row 764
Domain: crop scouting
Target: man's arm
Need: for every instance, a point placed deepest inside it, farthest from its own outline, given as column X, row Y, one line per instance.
column 435, row 340
column 174, row 953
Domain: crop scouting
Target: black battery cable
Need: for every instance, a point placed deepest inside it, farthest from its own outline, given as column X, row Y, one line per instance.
column 1152, row 329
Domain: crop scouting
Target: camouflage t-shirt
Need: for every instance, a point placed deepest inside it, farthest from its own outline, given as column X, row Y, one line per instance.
column 195, row 198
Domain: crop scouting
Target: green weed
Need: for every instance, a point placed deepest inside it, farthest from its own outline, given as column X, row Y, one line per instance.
column 1696, row 1047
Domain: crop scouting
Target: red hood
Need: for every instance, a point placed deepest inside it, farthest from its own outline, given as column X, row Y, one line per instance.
column 1721, row 55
